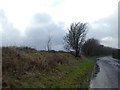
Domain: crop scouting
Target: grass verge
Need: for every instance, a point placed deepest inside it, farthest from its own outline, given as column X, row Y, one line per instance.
column 76, row 74
column 29, row 68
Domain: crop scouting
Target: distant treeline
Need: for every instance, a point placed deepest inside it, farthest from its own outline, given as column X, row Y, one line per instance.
column 116, row 53
column 92, row 47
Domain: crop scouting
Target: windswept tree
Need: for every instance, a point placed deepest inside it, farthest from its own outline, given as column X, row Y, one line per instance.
column 75, row 37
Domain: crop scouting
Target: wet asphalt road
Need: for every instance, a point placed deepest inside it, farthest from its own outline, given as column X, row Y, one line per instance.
column 108, row 75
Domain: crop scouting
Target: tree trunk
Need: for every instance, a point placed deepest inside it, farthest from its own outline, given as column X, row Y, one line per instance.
column 76, row 53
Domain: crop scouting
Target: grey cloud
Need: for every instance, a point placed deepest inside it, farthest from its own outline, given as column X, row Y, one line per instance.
column 10, row 35
column 37, row 36
column 104, row 28
column 37, row 33
column 41, row 18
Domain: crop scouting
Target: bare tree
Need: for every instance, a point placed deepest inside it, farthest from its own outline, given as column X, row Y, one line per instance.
column 75, row 37
column 49, row 43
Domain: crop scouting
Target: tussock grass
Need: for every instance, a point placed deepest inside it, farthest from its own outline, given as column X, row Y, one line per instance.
column 26, row 67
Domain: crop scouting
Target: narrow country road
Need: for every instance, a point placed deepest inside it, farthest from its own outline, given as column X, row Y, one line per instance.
column 108, row 75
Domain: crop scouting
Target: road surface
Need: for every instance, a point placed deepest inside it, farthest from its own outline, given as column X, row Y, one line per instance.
column 107, row 77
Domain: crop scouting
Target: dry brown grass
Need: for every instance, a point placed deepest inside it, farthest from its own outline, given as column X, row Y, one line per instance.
column 18, row 62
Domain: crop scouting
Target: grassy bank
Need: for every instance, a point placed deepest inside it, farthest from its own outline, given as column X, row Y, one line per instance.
column 25, row 67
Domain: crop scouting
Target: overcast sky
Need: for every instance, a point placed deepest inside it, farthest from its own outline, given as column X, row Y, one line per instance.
column 31, row 22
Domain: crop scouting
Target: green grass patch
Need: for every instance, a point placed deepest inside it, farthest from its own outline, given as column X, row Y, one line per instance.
column 73, row 75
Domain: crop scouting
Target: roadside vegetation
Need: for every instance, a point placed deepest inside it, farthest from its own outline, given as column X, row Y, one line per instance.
column 116, row 54
column 27, row 67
